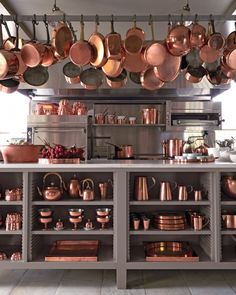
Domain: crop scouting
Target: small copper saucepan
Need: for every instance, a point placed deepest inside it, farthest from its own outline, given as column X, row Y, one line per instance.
column 123, row 151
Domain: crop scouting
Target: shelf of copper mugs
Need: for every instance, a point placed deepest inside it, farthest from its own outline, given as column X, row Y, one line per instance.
column 167, row 190
column 76, row 189
column 12, row 222
column 169, row 221
column 76, row 216
column 149, row 116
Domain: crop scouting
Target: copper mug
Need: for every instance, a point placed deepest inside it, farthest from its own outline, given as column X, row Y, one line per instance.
column 141, row 188
column 103, row 189
column 166, row 190
column 200, row 221
column 184, row 191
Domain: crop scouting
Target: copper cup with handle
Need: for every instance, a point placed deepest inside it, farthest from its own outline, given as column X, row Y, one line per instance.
column 166, row 188
column 184, row 191
column 141, row 187
column 200, row 221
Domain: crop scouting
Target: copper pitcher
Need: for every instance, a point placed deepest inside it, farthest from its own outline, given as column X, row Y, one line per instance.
column 184, row 191
column 88, row 189
column 74, row 188
column 166, row 190
column 149, row 116
column 141, row 188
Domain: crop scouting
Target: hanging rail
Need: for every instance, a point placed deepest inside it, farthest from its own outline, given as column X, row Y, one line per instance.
column 118, row 18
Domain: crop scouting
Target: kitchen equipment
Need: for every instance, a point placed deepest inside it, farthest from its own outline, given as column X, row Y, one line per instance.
column 119, row 81
column 134, row 39
column 228, row 186
column 74, row 188
column 36, row 76
column 165, row 193
column 76, row 212
column 114, row 67
column 52, row 192
column 193, row 115
column 229, row 220
column 89, row 225
column 75, row 251
column 121, row 119
column 198, row 195
column 16, row 256
column 149, row 116
column 141, row 189
column 150, row 80
column 111, row 119
column 21, row 153
column 170, row 221
column 13, row 221
column 184, row 191
column 48, row 57
column 76, row 221
column 113, row 44
column 103, row 211
column 15, row 194
column 91, row 78
column 103, row 220
column 146, row 223
column 3, row 256
column 215, row 40
column 103, row 189
column 123, row 151
column 173, row 147
column 200, row 221
column 88, row 189
column 45, row 212
column 45, row 217
column 169, row 251
column 132, row 120
column 197, row 34
column 136, row 223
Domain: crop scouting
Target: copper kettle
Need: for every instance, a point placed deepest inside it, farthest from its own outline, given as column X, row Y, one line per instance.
column 202, row 149
column 74, row 188
column 88, row 189
column 52, row 192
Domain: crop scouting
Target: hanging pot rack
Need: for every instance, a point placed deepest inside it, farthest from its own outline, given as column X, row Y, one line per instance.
column 118, row 18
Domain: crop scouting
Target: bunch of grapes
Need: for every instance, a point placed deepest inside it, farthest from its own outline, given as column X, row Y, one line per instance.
column 61, row 152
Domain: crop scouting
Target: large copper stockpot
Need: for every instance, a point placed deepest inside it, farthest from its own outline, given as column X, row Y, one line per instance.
column 228, row 185
column 32, row 53
column 173, row 147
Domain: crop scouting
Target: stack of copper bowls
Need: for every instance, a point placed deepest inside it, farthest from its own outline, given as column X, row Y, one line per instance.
column 170, row 221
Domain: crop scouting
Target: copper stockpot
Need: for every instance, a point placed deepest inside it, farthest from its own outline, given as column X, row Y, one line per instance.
column 173, row 147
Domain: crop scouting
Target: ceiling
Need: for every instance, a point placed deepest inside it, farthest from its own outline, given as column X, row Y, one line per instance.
column 118, row 7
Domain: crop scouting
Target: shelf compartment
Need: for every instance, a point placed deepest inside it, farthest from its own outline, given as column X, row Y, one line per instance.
column 71, row 232
column 169, row 203
column 228, row 203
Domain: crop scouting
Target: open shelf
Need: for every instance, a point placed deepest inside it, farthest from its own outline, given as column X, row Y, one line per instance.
column 11, row 232
column 169, row 232
column 229, row 253
column 10, row 203
column 73, row 232
column 228, row 232
column 169, row 203
column 74, row 202
column 229, row 203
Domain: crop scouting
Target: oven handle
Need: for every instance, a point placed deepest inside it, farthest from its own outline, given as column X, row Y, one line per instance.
column 61, row 130
column 193, row 123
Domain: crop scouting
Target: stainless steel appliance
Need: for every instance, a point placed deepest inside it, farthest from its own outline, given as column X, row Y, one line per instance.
column 65, row 130
column 193, row 115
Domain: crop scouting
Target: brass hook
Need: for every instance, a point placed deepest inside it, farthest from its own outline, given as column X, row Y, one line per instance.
column 97, row 20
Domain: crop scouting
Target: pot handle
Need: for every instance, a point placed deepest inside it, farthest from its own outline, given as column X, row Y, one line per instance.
column 206, row 222
column 175, row 185
column 190, row 187
column 153, row 184
column 53, row 173
column 88, row 182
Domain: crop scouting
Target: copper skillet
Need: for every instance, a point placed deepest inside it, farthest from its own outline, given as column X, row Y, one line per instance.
column 97, row 40
column 178, row 40
column 155, row 53
column 197, row 35
column 215, row 40
column 61, row 40
column 91, row 78
column 32, row 52
column 81, row 52
column 114, row 67
column 119, row 81
column 229, row 54
column 133, row 42
column 48, row 57
column 113, row 44
column 149, row 80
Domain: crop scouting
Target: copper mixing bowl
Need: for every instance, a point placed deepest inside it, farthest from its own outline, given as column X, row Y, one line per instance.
column 228, row 185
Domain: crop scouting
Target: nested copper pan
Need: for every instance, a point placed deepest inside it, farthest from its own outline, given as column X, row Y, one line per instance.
column 170, row 221
column 48, row 57
column 114, row 67
column 81, row 52
column 9, row 85
column 195, row 75
column 119, row 81
column 97, row 41
column 61, row 41
column 36, row 76
column 154, row 53
column 171, row 227
column 178, row 40
column 169, row 215
column 149, row 80
column 133, row 42
column 72, row 73
column 91, row 78
column 169, row 70
column 113, row 44
column 197, row 35
column 135, row 62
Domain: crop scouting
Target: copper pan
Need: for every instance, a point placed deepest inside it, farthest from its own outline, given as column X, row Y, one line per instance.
column 155, row 53
column 184, row 63
column 91, row 78
column 81, row 52
column 208, row 53
column 9, row 43
column 178, row 40
column 215, row 40
column 117, row 82
column 197, row 35
column 113, row 44
column 135, row 77
column 97, row 40
column 36, row 76
column 32, row 52
column 231, row 40
column 133, row 42
column 193, row 58
column 48, row 57
column 195, row 75
column 8, row 61
column 230, row 58
column 169, row 70
column 9, row 85
column 114, row 67
column 227, row 70
column 215, row 77
column 61, row 40
column 149, row 80
column 135, row 62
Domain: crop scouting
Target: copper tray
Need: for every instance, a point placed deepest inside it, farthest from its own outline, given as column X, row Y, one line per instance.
column 59, row 161
column 76, row 251
column 169, row 251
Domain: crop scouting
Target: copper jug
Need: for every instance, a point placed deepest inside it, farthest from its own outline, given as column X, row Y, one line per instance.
column 88, row 189
column 74, row 189
column 184, row 191
column 166, row 191
column 141, row 188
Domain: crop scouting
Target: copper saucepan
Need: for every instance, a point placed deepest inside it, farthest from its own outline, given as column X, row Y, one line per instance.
column 81, row 52
column 48, row 57
column 133, row 42
column 114, row 67
column 215, row 40
column 123, row 151
column 113, row 44
column 91, row 78
column 197, row 35
column 229, row 220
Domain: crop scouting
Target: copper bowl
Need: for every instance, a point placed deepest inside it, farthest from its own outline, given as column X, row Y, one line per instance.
column 45, row 212
column 228, row 185
column 76, row 212
column 103, row 211
column 21, row 153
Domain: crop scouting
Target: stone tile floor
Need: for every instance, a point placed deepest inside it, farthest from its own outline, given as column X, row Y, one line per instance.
column 93, row 282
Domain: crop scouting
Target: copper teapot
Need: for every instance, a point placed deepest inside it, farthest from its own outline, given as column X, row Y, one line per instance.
column 87, row 189
column 52, row 192
column 74, row 188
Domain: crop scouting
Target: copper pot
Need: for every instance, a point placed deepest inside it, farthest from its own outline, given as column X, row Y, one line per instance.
column 123, row 151
column 229, row 220
column 149, row 116
column 228, row 185
column 173, row 147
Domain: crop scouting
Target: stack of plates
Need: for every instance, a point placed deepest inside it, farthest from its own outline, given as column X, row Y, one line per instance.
column 170, row 221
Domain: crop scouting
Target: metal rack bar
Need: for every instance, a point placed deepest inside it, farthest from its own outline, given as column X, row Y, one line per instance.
column 118, row 18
